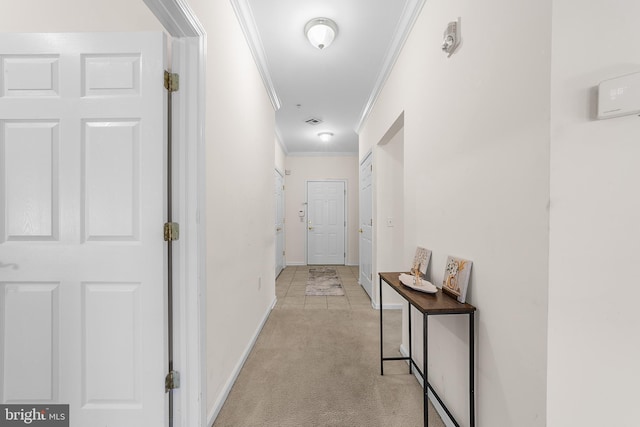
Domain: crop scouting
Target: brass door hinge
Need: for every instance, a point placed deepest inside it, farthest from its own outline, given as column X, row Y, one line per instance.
column 172, row 381
column 171, row 231
column 171, row 81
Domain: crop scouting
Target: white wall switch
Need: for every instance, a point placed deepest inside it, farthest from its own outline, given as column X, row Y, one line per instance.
column 619, row 97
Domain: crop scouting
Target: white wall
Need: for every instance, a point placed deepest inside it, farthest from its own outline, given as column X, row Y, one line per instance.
column 280, row 156
column 318, row 168
column 42, row 16
column 240, row 202
column 595, row 220
column 476, row 156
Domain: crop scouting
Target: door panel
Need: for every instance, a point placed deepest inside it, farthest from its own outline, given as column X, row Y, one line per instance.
column 366, row 222
column 31, row 179
column 111, row 180
column 34, row 307
column 111, row 333
column 82, row 276
column 326, row 222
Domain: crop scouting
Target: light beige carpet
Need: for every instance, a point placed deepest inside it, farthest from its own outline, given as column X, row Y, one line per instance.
column 321, row 368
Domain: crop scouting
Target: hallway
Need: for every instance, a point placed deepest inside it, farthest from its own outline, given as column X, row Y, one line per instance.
column 504, row 163
column 316, row 363
column 291, row 283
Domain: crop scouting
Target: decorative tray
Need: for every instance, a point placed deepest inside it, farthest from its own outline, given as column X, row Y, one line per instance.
column 422, row 285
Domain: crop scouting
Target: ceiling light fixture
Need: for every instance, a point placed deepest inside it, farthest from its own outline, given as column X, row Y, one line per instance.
column 321, row 32
column 325, row 136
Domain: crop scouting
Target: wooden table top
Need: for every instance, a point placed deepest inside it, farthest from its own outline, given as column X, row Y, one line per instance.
column 438, row 303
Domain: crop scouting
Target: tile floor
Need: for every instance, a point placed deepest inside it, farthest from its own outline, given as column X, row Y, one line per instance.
column 292, row 282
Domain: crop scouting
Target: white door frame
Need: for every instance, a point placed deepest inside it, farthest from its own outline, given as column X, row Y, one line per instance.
column 368, row 155
column 282, row 201
column 189, row 306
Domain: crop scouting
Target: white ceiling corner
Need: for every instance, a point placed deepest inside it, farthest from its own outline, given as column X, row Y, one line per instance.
column 248, row 25
column 409, row 16
column 279, row 139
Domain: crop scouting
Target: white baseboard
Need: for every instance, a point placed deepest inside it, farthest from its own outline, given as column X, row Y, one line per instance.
column 387, row 306
column 448, row 422
column 236, row 371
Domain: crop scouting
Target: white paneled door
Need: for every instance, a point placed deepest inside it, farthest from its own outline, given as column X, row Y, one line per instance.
column 82, row 278
column 279, row 192
column 366, row 225
column 326, row 222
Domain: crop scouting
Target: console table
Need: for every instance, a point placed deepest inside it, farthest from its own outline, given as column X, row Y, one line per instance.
column 430, row 305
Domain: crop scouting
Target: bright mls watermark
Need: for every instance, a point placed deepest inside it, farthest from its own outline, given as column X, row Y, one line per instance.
column 34, row 415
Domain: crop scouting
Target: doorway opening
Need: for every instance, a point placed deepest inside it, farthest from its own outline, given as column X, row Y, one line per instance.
column 279, row 225
column 389, row 209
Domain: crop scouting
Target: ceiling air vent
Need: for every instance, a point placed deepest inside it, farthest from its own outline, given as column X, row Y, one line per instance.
column 313, row 121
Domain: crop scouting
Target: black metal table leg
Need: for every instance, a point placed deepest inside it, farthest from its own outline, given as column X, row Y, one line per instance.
column 381, row 349
column 472, row 400
column 425, row 369
column 410, row 351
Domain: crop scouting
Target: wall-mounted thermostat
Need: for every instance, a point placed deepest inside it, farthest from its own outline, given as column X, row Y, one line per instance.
column 619, row 97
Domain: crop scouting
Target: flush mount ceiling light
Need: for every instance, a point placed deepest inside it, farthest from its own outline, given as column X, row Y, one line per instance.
column 321, row 32
column 325, row 136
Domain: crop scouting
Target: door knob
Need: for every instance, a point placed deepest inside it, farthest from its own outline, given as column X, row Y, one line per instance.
column 310, row 228
column 360, row 231
column 278, row 229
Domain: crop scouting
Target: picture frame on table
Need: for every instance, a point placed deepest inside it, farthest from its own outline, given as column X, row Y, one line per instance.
column 421, row 262
column 456, row 278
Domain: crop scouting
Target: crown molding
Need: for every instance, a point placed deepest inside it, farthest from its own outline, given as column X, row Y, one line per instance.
column 177, row 17
column 405, row 24
column 248, row 25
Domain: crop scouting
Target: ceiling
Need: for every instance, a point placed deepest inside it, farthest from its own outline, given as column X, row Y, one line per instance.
column 337, row 85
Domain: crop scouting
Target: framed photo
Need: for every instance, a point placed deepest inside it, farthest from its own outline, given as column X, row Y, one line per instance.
column 456, row 277
column 421, row 262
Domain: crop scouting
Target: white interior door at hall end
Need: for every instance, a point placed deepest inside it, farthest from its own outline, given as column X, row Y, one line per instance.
column 326, row 222
column 81, row 213
column 366, row 229
column 279, row 193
